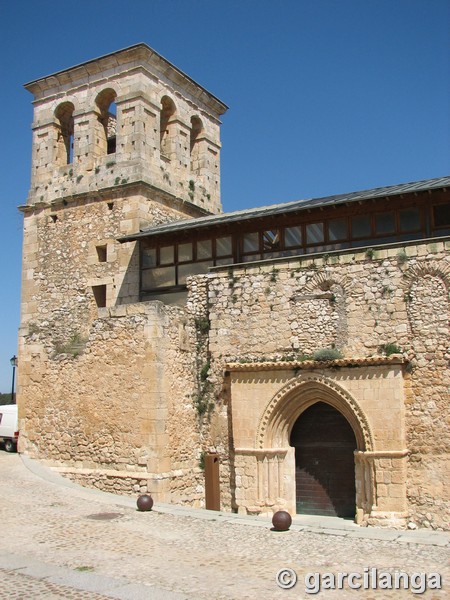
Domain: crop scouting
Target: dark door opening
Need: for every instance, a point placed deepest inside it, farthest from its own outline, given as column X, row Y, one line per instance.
column 324, row 462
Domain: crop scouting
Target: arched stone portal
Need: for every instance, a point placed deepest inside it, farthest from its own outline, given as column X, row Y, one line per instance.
column 368, row 402
column 277, row 461
column 324, row 446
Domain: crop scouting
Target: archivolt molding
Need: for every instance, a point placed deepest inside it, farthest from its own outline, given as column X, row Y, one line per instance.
column 433, row 267
column 296, row 396
column 60, row 102
column 327, row 278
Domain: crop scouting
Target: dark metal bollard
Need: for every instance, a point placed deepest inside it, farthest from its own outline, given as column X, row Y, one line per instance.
column 281, row 520
column 145, row 502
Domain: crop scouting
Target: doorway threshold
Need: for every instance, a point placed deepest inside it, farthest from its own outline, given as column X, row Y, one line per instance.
column 325, row 522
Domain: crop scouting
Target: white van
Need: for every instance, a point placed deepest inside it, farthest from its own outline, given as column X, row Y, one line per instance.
column 9, row 427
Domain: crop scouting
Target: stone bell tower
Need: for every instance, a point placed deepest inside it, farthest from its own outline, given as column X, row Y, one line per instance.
column 129, row 117
column 121, row 142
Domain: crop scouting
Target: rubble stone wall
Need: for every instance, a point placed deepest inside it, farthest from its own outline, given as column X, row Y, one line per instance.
column 363, row 304
column 146, row 393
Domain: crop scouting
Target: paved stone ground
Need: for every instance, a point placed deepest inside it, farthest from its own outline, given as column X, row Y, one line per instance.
column 59, row 540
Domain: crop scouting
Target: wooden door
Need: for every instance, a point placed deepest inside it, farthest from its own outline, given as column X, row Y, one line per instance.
column 324, row 462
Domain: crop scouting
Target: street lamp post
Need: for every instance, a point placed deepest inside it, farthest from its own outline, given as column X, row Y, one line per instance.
column 13, row 362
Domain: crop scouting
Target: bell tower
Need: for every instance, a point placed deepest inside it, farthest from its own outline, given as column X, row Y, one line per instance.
column 126, row 118
column 122, row 142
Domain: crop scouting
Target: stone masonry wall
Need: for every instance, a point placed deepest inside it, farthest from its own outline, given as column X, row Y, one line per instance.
column 61, row 261
column 119, row 414
column 141, row 398
column 105, row 393
column 364, row 304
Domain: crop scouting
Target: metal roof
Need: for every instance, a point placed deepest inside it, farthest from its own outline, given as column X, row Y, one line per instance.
column 288, row 207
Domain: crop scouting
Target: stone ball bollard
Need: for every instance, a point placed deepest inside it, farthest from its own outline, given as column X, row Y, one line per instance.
column 144, row 502
column 281, row 520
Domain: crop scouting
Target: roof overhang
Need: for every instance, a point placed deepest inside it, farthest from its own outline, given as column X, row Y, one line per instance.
column 298, row 206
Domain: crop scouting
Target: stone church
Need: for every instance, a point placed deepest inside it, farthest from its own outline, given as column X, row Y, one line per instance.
column 301, row 348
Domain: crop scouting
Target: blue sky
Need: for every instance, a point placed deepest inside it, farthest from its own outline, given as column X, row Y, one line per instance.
column 325, row 96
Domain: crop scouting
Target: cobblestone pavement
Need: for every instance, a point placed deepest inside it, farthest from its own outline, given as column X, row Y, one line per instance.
column 63, row 541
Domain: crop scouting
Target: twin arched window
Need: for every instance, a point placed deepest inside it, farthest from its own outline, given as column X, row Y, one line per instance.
column 106, row 129
column 196, row 130
column 64, row 121
column 168, row 109
column 107, row 118
column 167, row 133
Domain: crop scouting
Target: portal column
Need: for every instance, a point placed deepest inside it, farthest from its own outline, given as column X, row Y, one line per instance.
column 381, row 487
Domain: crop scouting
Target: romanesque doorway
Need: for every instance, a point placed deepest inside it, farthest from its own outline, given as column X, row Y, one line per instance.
column 324, row 462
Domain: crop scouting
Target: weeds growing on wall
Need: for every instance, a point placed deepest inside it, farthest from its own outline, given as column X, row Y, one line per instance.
column 201, row 461
column 202, row 401
column 402, row 257
column 202, row 324
column 390, row 348
column 325, row 354
column 74, row 346
column 205, row 370
column 231, row 278
column 200, row 404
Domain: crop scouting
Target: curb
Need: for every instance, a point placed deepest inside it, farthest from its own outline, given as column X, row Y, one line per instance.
column 316, row 525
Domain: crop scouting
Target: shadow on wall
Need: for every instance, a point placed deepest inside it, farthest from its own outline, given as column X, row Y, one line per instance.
column 129, row 289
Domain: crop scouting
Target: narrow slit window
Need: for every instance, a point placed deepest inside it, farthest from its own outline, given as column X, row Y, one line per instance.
column 99, row 292
column 102, row 253
column 65, row 122
column 196, row 130
column 107, row 121
column 167, row 112
column 111, row 126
